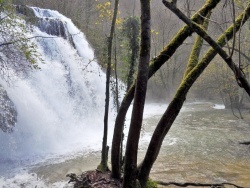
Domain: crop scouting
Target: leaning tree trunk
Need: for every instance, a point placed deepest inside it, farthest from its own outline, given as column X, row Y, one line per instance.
column 176, row 104
column 144, row 169
column 103, row 166
column 155, row 65
column 130, row 168
column 196, row 50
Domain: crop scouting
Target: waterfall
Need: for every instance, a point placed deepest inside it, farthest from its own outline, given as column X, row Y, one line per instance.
column 59, row 108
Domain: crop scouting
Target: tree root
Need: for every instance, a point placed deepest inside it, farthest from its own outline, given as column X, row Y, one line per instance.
column 215, row 185
column 245, row 143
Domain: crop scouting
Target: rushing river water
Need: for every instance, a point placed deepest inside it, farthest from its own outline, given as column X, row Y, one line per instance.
column 202, row 146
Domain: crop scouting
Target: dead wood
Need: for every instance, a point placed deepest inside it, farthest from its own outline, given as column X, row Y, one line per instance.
column 94, row 179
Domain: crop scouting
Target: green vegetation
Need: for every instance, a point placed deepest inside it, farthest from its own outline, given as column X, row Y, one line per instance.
column 16, row 46
column 151, row 184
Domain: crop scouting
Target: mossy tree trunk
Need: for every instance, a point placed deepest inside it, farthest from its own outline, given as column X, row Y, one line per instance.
column 104, row 160
column 155, row 65
column 196, row 50
column 130, row 168
column 147, row 163
column 132, row 28
column 176, row 104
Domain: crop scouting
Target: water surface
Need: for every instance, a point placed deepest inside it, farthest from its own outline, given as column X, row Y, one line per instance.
column 203, row 146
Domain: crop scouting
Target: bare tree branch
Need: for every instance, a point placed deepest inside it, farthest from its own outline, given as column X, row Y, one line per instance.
column 240, row 77
column 239, row 51
column 15, row 41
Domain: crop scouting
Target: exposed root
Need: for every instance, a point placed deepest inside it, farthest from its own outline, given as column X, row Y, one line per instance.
column 215, row 185
column 245, row 143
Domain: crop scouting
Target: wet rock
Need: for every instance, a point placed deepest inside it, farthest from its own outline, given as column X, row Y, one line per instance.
column 28, row 13
column 46, row 23
column 8, row 113
column 52, row 27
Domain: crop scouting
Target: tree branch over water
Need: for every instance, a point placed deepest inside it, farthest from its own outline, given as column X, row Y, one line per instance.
column 235, row 49
column 20, row 40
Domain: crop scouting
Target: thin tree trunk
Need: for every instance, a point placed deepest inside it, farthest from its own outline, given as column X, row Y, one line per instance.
column 155, row 65
column 176, row 104
column 103, row 166
column 165, row 85
column 117, row 91
column 130, row 168
column 116, row 79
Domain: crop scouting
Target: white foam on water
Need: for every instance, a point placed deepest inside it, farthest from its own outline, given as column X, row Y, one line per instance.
column 28, row 180
column 219, row 106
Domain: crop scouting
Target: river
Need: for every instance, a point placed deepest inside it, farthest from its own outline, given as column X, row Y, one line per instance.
column 202, row 146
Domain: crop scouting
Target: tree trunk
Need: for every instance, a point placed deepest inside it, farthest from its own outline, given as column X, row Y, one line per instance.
column 196, row 50
column 130, row 168
column 103, row 166
column 134, row 46
column 174, row 107
column 155, row 64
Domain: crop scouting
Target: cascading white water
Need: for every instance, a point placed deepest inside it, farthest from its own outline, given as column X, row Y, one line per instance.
column 60, row 107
